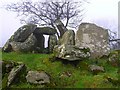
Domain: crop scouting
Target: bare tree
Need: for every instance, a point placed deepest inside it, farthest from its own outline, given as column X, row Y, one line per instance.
column 48, row 12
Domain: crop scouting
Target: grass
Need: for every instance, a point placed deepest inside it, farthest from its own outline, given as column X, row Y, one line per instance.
column 80, row 76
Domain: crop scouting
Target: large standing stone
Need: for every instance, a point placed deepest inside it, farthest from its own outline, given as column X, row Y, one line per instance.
column 23, row 33
column 19, row 36
column 26, row 46
column 60, row 26
column 45, row 30
column 35, row 77
column 68, row 38
column 71, row 52
column 52, row 41
column 94, row 37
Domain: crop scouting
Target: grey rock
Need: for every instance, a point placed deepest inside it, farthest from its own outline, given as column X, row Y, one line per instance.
column 60, row 26
column 96, row 69
column 7, row 47
column 35, row 77
column 24, row 32
column 20, row 36
column 68, row 38
column 45, row 30
column 52, row 41
column 15, row 73
column 26, row 46
column 94, row 37
column 71, row 52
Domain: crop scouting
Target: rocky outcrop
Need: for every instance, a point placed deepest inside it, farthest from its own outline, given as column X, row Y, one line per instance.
column 71, row 52
column 68, row 38
column 28, row 38
column 35, row 77
column 94, row 37
column 16, row 72
column 52, row 41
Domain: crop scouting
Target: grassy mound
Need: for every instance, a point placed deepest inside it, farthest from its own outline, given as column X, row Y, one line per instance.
column 64, row 75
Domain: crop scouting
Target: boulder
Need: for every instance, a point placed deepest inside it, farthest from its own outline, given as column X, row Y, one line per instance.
column 52, row 41
column 71, row 52
column 45, row 30
column 60, row 26
column 23, row 32
column 96, row 69
column 35, row 77
column 26, row 46
column 68, row 38
column 7, row 47
column 94, row 37
column 20, row 36
column 15, row 73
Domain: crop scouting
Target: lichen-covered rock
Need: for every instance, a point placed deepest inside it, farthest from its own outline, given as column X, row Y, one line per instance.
column 52, row 41
column 35, row 77
column 20, row 36
column 7, row 47
column 26, row 46
column 45, row 30
column 94, row 37
column 71, row 52
column 15, row 73
column 68, row 38
column 60, row 26
column 96, row 69
column 23, row 32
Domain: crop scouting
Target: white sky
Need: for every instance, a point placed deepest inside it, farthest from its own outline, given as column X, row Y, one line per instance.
column 101, row 12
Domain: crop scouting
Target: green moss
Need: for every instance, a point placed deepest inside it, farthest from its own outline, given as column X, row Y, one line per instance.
column 4, row 81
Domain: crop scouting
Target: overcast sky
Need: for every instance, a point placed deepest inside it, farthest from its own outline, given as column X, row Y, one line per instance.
column 101, row 12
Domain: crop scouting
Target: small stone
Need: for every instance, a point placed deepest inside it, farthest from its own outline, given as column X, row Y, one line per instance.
column 35, row 77
column 96, row 69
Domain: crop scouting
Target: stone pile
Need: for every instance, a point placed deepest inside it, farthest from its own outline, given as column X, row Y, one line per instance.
column 30, row 38
column 15, row 72
column 90, row 41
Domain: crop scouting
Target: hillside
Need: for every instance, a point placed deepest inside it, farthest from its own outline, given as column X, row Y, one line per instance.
column 65, row 74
